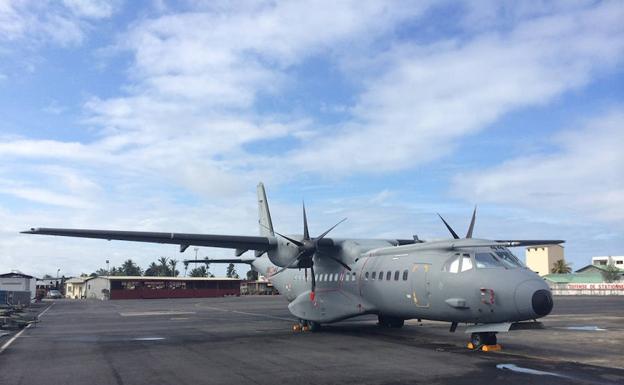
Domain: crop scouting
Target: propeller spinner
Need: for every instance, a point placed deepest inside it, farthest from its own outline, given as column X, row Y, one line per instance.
column 307, row 249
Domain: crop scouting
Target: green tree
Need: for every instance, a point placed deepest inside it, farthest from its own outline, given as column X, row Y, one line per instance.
column 101, row 272
column 561, row 267
column 201, row 271
column 611, row 273
column 172, row 263
column 130, row 268
column 252, row 275
column 152, row 270
column 231, row 271
column 163, row 266
column 47, row 276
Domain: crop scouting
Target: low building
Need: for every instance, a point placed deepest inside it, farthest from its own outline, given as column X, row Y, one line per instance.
column 617, row 260
column 128, row 287
column 16, row 282
column 75, row 287
column 258, row 287
column 541, row 259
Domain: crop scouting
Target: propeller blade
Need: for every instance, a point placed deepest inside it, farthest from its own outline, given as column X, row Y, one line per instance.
column 289, row 264
column 312, row 292
column 472, row 223
column 306, row 232
column 338, row 261
column 453, row 233
column 296, row 242
column 327, row 232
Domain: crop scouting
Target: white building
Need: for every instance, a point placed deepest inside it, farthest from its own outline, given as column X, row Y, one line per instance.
column 18, row 282
column 617, row 260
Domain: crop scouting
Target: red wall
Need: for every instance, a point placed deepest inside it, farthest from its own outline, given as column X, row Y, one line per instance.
column 172, row 293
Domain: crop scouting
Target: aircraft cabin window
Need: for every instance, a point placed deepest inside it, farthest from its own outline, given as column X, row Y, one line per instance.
column 396, row 275
column 336, row 277
column 485, row 260
column 381, row 275
column 366, row 276
column 388, row 276
column 405, row 275
column 374, row 275
column 466, row 263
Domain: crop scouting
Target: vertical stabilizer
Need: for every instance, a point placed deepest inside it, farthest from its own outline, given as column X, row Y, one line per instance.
column 264, row 215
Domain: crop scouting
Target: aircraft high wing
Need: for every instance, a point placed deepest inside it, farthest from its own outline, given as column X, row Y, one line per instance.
column 242, row 242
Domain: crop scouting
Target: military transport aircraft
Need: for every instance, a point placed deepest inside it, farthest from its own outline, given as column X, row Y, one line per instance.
column 461, row 280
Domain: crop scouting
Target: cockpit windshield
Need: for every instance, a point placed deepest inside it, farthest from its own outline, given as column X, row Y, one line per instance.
column 486, row 260
column 508, row 258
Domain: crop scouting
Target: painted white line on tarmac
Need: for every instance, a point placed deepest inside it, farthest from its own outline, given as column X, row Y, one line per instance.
column 247, row 313
column 154, row 313
column 9, row 342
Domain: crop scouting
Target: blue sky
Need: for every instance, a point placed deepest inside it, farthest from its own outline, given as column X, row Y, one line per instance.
column 163, row 116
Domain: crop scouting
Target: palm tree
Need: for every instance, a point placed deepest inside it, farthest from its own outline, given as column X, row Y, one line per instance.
column 152, row 270
column 173, row 263
column 163, row 268
column 561, row 267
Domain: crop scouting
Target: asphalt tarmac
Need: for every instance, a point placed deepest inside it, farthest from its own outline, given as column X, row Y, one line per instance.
column 248, row 340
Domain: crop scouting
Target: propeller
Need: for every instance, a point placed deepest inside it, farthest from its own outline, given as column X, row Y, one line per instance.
column 307, row 248
column 470, row 228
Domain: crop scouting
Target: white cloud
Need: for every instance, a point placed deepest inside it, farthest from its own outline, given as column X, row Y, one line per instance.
column 581, row 174
column 37, row 22
column 432, row 95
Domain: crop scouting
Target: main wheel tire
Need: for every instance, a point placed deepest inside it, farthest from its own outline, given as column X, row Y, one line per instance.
column 490, row 339
column 390, row 322
column 314, row 326
column 477, row 340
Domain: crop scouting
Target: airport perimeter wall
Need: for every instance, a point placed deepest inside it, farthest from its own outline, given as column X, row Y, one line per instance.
column 587, row 288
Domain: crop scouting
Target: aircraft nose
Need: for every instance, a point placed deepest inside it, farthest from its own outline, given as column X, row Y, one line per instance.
column 533, row 299
column 542, row 302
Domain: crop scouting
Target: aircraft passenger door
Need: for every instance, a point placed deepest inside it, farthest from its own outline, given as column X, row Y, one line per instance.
column 420, row 284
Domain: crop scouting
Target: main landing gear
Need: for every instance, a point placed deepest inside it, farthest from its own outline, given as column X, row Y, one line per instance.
column 390, row 322
column 483, row 341
column 305, row 326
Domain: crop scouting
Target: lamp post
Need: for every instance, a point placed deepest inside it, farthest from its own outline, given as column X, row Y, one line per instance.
column 107, row 267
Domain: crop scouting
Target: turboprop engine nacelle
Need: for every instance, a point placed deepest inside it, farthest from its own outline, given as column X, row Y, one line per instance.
column 283, row 253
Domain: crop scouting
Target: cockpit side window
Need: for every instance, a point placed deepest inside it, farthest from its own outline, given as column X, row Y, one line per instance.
column 452, row 265
column 466, row 263
column 486, row 260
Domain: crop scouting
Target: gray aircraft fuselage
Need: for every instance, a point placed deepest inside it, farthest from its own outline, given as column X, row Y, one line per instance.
column 414, row 281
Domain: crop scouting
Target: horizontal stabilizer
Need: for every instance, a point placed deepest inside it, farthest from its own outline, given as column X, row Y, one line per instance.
column 219, row 260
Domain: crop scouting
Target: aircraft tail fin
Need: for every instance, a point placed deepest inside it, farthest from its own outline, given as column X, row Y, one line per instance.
column 264, row 215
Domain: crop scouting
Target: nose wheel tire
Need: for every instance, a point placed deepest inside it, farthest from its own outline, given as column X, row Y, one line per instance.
column 479, row 339
column 390, row 322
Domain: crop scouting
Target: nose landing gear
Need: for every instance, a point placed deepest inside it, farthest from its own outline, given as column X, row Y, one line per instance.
column 304, row 326
column 483, row 341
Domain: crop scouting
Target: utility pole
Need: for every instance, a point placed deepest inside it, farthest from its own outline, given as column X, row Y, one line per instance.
column 196, row 250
